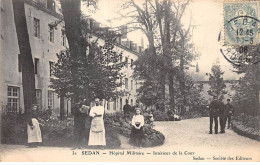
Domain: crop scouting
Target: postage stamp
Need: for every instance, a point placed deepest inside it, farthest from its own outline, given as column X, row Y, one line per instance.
column 241, row 22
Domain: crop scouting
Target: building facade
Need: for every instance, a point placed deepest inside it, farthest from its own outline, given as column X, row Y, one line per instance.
column 130, row 52
column 46, row 40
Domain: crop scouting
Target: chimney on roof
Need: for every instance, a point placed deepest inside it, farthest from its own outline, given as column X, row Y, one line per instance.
column 131, row 45
column 124, row 31
column 140, row 49
column 142, row 42
column 118, row 39
column 197, row 67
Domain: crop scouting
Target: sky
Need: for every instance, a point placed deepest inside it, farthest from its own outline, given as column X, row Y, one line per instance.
column 207, row 20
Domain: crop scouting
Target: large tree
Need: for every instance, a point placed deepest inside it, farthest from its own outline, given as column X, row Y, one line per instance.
column 246, row 61
column 28, row 77
column 102, row 75
column 169, row 39
column 147, row 70
column 246, row 98
column 216, row 82
column 71, row 10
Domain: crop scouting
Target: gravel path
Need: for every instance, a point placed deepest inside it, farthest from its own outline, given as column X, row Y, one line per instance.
column 186, row 140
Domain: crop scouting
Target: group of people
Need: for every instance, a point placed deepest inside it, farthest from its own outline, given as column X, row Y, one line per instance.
column 220, row 113
column 93, row 116
column 83, row 116
column 96, row 132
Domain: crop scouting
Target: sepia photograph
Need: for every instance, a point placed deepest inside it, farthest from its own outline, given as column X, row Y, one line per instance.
column 130, row 81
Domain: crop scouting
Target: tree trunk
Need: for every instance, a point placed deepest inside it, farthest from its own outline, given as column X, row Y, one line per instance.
column 77, row 46
column 77, row 43
column 167, row 52
column 257, row 89
column 171, row 91
column 28, row 77
column 182, row 81
column 151, row 42
column 62, row 107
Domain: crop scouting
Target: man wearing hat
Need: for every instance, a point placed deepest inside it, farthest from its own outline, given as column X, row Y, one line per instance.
column 230, row 112
column 214, row 107
column 222, row 116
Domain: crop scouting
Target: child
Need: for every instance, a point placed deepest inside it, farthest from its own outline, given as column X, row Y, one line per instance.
column 151, row 120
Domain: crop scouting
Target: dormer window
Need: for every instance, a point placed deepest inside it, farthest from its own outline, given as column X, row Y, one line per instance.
column 51, row 5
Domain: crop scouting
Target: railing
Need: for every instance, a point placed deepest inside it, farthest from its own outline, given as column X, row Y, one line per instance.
column 10, row 110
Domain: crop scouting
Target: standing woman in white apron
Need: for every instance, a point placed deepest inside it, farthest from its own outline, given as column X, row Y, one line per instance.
column 97, row 135
column 33, row 128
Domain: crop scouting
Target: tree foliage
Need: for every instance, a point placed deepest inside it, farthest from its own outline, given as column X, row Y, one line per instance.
column 246, row 61
column 169, row 43
column 102, row 74
column 148, row 67
column 246, row 98
column 194, row 101
column 216, row 82
column 75, row 30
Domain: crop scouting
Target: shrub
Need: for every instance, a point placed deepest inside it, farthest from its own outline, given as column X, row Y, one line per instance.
column 163, row 116
column 122, row 124
column 160, row 116
column 246, row 125
column 11, row 126
column 112, row 139
column 55, row 132
column 190, row 115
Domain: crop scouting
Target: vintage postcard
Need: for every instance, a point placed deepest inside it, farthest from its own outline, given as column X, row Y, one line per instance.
column 130, row 80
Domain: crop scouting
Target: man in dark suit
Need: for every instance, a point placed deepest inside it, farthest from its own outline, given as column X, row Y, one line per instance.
column 213, row 114
column 229, row 112
column 222, row 116
column 127, row 108
column 81, row 111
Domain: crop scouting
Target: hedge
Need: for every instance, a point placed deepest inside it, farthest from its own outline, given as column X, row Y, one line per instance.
column 55, row 132
column 246, row 125
column 60, row 133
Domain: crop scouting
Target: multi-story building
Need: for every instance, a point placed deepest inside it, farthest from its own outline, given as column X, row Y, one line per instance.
column 130, row 52
column 45, row 40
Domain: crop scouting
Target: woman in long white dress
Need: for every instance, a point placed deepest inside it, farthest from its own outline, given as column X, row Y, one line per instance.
column 33, row 128
column 97, row 129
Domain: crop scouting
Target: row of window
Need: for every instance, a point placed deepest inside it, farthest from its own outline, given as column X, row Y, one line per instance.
column 126, row 60
column 36, row 66
column 37, row 32
column 13, row 101
column 13, row 98
column 132, row 84
column 50, row 98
